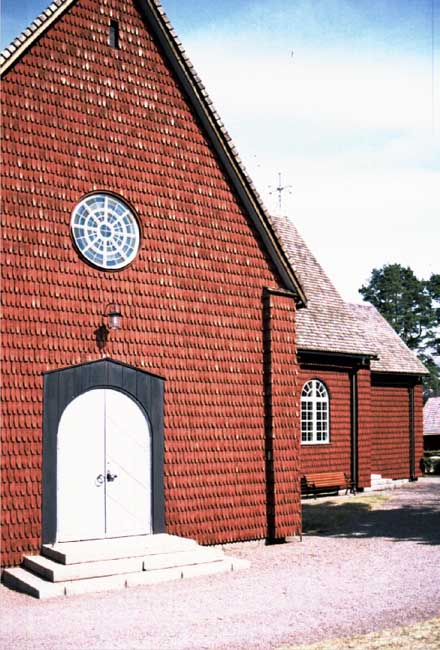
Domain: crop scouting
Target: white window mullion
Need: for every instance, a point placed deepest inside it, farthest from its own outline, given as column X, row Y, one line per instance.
column 314, row 403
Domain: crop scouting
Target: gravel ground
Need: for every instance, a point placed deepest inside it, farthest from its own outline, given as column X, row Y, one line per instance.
column 421, row 636
column 374, row 569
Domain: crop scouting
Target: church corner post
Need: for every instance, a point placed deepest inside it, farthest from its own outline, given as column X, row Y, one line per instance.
column 364, row 426
column 282, row 442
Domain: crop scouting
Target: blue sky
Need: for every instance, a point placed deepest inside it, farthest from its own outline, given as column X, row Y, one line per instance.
column 342, row 97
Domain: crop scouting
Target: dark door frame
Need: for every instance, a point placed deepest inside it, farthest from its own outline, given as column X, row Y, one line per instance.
column 61, row 387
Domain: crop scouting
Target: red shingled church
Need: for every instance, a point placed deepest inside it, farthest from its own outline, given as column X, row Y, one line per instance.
column 174, row 359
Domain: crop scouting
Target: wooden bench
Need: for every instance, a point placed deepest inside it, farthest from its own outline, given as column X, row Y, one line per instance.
column 327, row 481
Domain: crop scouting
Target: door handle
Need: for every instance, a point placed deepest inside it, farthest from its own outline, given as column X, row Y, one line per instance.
column 110, row 477
column 99, row 480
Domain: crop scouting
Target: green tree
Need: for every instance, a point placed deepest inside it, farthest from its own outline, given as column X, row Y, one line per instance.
column 412, row 307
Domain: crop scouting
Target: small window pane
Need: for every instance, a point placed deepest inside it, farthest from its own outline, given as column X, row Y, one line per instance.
column 113, row 36
column 314, row 412
column 105, row 231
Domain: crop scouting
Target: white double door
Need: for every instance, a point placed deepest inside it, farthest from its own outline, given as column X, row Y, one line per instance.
column 103, row 468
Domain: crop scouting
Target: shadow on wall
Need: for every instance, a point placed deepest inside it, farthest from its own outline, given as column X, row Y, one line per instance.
column 366, row 517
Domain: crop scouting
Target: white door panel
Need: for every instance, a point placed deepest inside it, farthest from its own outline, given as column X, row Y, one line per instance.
column 104, row 468
column 128, row 459
column 80, row 496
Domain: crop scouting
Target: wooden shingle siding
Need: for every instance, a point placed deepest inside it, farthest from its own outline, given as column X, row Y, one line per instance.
column 418, row 428
column 334, row 456
column 391, row 431
column 282, row 417
column 208, row 304
column 80, row 116
column 365, row 427
column 391, row 427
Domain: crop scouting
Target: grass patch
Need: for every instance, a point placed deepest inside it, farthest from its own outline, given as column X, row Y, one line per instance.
column 422, row 636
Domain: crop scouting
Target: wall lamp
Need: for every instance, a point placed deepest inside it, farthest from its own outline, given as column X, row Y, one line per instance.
column 114, row 316
column 112, row 320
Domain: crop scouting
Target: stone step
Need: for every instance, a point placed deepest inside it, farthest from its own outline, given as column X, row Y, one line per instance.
column 379, row 482
column 56, row 572
column 24, row 581
column 201, row 555
column 116, row 548
column 104, row 565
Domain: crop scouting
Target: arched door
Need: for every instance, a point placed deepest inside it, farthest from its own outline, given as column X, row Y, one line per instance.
column 103, row 468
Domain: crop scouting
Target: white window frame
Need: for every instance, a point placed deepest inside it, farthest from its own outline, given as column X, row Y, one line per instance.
column 105, row 231
column 315, row 413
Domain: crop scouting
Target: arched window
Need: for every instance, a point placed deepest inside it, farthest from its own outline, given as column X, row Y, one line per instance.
column 314, row 413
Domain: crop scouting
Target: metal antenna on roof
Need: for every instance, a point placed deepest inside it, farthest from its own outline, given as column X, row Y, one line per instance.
column 280, row 189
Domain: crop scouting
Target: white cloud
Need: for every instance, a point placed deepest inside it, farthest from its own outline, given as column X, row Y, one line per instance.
column 356, row 222
column 355, row 91
column 352, row 135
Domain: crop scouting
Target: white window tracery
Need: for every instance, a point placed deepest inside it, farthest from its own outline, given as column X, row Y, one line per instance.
column 314, row 413
column 105, row 231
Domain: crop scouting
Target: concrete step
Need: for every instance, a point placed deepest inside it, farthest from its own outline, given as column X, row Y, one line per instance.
column 116, row 548
column 22, row 580
column 379, row 482
column 201, row 555
column 74, row 569
column 56, row 572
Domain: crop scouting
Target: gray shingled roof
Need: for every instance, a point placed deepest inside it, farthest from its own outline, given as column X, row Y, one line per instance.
column 328, row 323
column 394, row 355
column 431, row 417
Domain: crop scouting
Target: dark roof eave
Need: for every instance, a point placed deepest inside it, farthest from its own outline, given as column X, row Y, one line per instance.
column 335, row 353
column 413, row 373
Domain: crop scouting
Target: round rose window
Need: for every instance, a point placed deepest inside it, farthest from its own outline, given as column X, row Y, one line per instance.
column 105, row 231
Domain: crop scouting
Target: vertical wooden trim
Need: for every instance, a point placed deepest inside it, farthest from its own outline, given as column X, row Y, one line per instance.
column 282, row 453
column 51, row 417
column 158, row 461
column 354, row 426
column 268, row 417
column 412, row 441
